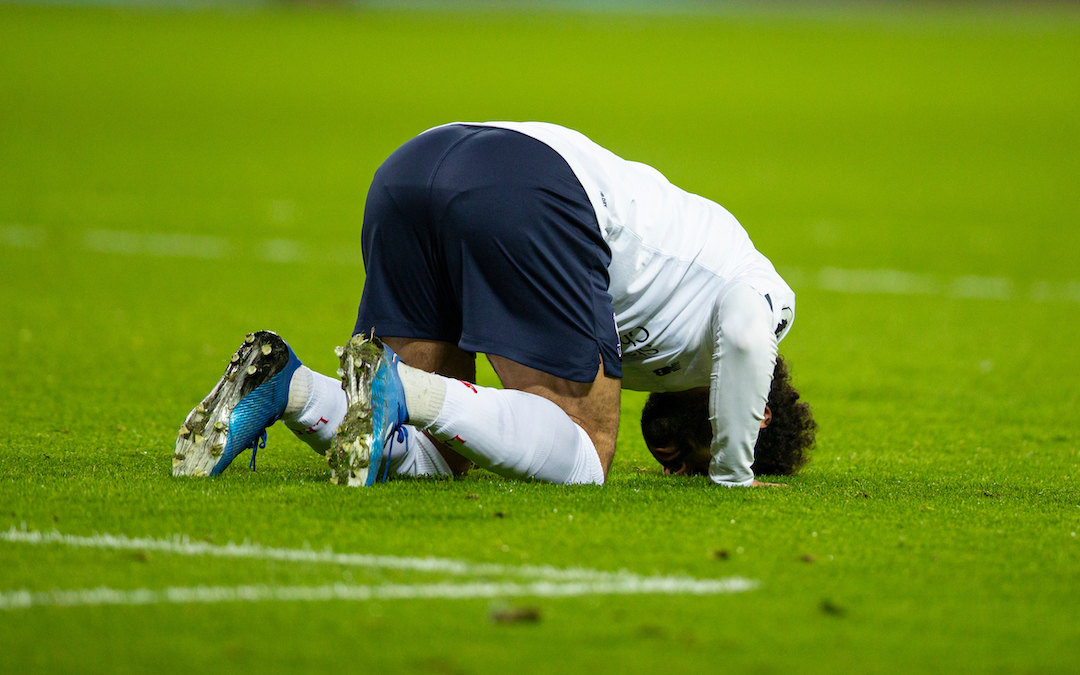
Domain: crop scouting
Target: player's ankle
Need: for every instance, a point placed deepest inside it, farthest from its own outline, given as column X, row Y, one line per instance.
column 424, row 394
column 300, row 387
column 315, row 409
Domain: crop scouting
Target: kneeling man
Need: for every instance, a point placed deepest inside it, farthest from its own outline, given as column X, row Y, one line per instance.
column 576, row 272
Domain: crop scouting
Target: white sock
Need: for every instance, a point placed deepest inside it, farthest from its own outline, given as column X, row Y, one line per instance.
column 417, row 456
column 514, row 434
column 315, row 409
column 424, row 394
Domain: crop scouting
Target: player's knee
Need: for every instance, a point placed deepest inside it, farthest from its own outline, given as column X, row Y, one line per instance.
column 588, row 468
column 569, row 458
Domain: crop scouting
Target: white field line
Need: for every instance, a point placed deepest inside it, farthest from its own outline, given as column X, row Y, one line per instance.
column 21, row 236
column 282, row 251
column 185, row 546
column 897, row 282
column 876, row 281
column 553, row 582
column 140, row 243
column 909, row 283
column 461, row 591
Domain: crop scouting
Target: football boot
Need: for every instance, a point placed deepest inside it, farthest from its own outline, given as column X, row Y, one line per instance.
column 360, row 453
column 234, row 416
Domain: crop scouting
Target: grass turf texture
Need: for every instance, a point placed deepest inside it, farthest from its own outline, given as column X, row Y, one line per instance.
column 941, row 506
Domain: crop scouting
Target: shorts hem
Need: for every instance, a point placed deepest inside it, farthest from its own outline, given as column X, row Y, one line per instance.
column 412, row 331
column 573, row 372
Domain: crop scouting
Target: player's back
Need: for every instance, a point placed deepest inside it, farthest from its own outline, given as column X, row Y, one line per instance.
column 671, row 252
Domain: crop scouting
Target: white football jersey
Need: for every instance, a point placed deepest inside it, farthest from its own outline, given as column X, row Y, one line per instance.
column 671, row 253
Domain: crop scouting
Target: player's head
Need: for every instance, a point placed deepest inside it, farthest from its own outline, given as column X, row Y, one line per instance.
column 678, row 433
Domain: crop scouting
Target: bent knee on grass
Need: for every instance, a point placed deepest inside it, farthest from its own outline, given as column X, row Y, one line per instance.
column 594, row 406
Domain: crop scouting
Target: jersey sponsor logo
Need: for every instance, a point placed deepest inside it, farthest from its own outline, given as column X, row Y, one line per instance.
column 635, row 344
column 667, row 370
column 786, row 315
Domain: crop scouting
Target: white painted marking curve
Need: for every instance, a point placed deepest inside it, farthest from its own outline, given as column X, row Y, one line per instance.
column 452, row 591
column 551, row 582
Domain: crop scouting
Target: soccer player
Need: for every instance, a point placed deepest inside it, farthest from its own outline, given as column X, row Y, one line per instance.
column 577, row 273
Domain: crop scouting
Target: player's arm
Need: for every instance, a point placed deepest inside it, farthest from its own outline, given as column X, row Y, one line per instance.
column 739, row 386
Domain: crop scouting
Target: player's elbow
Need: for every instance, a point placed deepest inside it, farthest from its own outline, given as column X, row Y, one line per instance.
column 746, row 334
column 745, row 322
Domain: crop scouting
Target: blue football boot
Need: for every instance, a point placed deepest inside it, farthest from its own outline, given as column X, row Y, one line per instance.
column 360, row 454
column 233, row 417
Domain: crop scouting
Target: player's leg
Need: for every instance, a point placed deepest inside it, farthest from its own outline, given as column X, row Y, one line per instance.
column 528, row 434
column 409, row 300
column 265, row 381
column 315, row 409
column 512, row 260
column 317, row 405
column 517, row 434
column 592, row 406
column 531, row 280
column 447, row 360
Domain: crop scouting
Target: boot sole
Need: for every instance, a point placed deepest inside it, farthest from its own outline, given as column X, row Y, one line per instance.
column 203, row 436
column 350, row 453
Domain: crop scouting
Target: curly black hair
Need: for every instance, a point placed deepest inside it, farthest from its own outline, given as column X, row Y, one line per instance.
column 783, row 447
column 675, row 425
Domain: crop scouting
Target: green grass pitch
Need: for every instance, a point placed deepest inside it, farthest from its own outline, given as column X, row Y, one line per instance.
column 171, row 180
